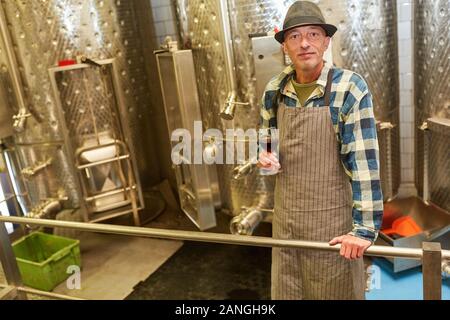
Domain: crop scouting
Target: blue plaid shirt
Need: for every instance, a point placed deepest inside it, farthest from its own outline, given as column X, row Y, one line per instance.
column 354, row 123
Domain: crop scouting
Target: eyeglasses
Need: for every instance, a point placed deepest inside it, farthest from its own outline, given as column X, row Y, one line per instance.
column 311, row 36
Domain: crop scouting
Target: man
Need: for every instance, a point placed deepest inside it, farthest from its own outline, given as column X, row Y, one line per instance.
column 328, row 188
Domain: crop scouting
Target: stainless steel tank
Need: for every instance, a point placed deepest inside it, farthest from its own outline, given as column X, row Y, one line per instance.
column 366, row 43
column 6, row 109
column 432, row 99
column 45, row 32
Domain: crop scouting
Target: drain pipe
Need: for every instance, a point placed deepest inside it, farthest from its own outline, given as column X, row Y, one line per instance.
column 23, row 114
column 47, row 210
column 229, row 109
column 33, row 170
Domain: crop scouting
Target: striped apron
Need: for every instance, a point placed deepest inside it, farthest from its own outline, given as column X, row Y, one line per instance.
column 313, row 201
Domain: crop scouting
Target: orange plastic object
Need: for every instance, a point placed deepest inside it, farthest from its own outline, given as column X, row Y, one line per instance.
column 403, row 226
column 389, row 215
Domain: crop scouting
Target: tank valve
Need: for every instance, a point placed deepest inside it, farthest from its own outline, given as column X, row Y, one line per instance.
column 247, row 221
column 244, row 169
column 19, row 121
column 229, row 109
column 28, row 172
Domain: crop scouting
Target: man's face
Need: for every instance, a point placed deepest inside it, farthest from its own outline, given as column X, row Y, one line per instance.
column 306, row 46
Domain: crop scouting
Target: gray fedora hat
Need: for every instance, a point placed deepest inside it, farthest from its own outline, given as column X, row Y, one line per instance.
column 303, row 13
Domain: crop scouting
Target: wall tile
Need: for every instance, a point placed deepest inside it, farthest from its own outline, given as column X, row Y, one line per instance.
column 406, row 129
column 407, row 145
column 405, row 12
column 170, row 27
column 406, row 81
column 160, row 29
column 406, row 98
column 159, row 3
column 407, row 175
column 404, row 30
column 405, row 48
column 405, row 64
column 407, row 160
column 162, row 14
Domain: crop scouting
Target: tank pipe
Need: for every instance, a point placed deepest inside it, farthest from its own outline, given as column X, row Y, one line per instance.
column 44, row 293
column 426, row 150
column 388, row 127
column 380, row 251
column 33, row 170
column 20, row 118
column 227, row 112
column 49, row 208
column 46, row 210
column 246, row 222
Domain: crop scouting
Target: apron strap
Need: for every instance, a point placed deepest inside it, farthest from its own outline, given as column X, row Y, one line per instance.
column 328, row 88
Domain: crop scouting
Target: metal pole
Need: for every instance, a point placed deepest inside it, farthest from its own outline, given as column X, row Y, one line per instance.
column 96, row 163
column 431, row 269
column 9, row 262
column 43, row 293
column 227, row 113
column 47, row 294
column 380, row 251
column 426, row 159
column 386, row 128
column 20, row 118
column 389, row 163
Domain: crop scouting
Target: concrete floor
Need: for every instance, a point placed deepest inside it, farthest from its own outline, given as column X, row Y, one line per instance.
column 113, row 264
column 210, row 271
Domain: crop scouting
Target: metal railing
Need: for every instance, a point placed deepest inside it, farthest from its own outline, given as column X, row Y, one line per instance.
column 430, row 254
column 11, row 292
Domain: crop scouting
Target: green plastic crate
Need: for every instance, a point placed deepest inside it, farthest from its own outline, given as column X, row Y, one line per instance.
column 43, row 259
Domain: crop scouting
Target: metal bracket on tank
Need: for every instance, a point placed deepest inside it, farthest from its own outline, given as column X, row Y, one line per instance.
column 29, row 172
column 85, row 60
column 169, row 45
column 388, row 126
column 103, row 148
column 197, row 183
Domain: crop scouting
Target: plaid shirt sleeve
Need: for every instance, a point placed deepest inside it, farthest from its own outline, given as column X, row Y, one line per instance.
column 267, row 112
column 360, row 157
